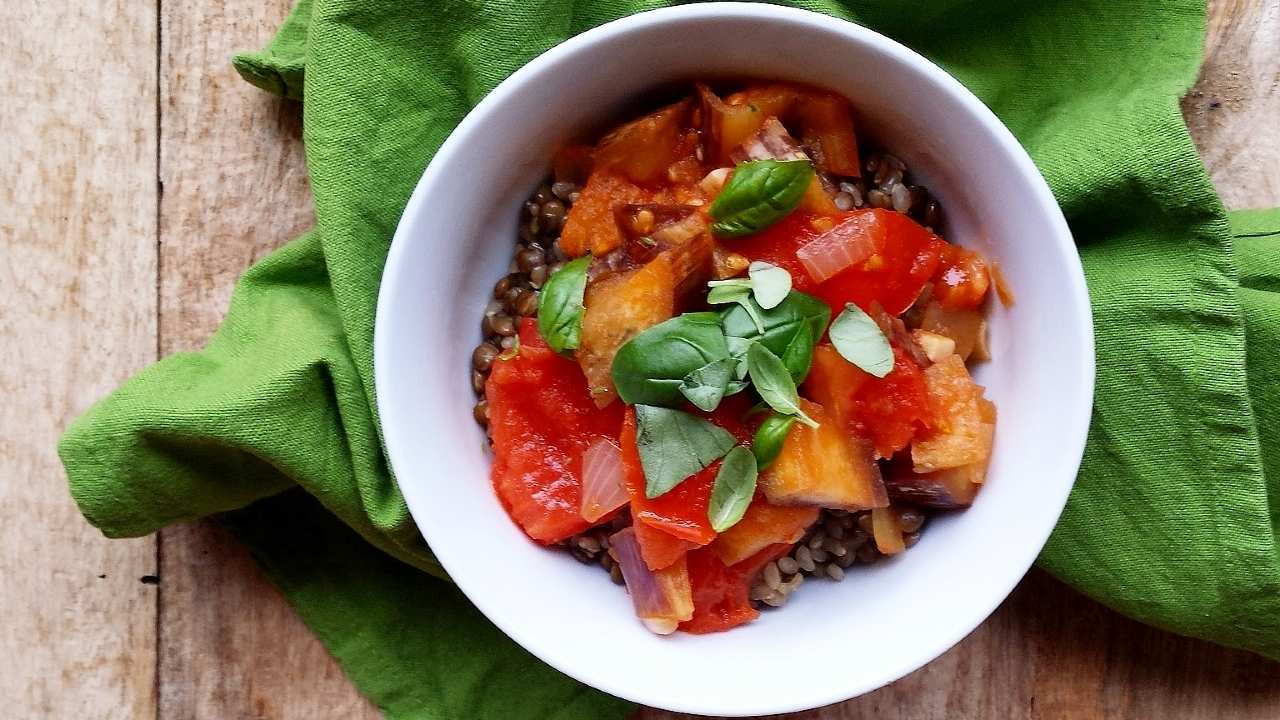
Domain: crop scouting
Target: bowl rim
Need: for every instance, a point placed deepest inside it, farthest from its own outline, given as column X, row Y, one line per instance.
column 1058, row 236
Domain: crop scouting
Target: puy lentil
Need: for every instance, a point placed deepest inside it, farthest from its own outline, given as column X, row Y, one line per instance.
column 530, row 257
column 477, row 382
column 483, row 356
column 526, row 303
column 563, row 190
column 481, row 412
column 538, row 276
column 788, row 566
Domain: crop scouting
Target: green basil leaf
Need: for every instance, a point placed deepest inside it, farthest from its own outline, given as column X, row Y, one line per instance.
column 859, row 340
column 759, row 194
column 781, row 326
column 734, row 387
column 799, row 352
column 674, row 445
column 560, row 305
column 772, row 380
column 724, row 294
column 770, row 284
column 769, row 438
column 738, row 351
column 707, row 385
column 650, row 367
column 734, row 487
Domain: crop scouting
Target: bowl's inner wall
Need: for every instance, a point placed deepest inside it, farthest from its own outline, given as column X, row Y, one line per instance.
column 832, row 640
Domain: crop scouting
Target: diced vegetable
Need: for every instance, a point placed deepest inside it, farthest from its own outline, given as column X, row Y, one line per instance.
column 965, row 327
column 964, row 420
column 603, row 487
column 725, row 127
column 779, row 244
column 541, row 421
column 681, row 512
column 889, row 411
column 643, row 149
column 950, row 488
column 822, row 120
column 662, row 598
column 935, row 346
column 851, row 242
column 619, row 307
column 894, row 275
column 764, row 524
column 720, row 593
column 726, row 263
column 824, row 467
column 659, row 548
column 961, row 280
column 886, row 531
column 770, row 142
column 591, row 225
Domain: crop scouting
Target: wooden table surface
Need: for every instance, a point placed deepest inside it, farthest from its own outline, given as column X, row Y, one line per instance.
column 141, row 176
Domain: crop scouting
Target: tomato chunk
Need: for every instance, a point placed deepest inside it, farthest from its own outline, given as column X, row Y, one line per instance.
column 778, row 244
column 720, row 599
column 659, row 548
column 961, row 279
column 682, row 511
column 896, row 274
column 541, row 420
column 891, row 410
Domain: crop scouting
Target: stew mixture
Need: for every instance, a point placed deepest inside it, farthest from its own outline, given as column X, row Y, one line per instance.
column 731, row 354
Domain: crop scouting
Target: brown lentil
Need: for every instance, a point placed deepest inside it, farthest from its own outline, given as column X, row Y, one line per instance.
column 530, row 257
column 526, row 303
column 481, row 412
column 477, row 381
column 538, row 276
column 483, row 356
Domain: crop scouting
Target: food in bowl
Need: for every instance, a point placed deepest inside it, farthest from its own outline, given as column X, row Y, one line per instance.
column 729, row 355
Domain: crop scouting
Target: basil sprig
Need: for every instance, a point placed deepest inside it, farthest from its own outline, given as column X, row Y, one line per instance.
column 682, row 358
column 674, row 445
column 773, row 381
column 860, row 340
column 788, row 330
column 560, row 305
column 759, row 194
column 769, row 438
column 734, row 487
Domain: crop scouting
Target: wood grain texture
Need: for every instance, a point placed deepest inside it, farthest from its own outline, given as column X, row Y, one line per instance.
column 77, row 315
column 1234, row 109
column 234, row 188
column 101, row 269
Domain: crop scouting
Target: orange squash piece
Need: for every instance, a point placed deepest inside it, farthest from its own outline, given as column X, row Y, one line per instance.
column 964, row 421
column 618, row 308
column 824, row 467
column 763, row 524
column 643, row 149
column 591, row 226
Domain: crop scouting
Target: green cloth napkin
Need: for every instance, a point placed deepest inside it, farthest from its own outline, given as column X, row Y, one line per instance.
column 271, row 426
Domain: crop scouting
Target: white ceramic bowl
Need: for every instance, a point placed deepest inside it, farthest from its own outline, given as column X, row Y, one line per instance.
column 832, row 641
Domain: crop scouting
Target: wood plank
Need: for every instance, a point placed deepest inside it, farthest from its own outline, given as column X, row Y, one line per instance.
column 77, row 316
column 1046, row 653
column 235, row 188
column 1234, row 110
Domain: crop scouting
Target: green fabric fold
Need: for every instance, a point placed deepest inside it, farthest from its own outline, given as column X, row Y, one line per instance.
column 272, row 428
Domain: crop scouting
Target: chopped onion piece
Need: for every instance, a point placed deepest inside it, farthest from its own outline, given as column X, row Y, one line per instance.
column 603, row 490
column 841, row 247
column 714, row 181
column 662, row 598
